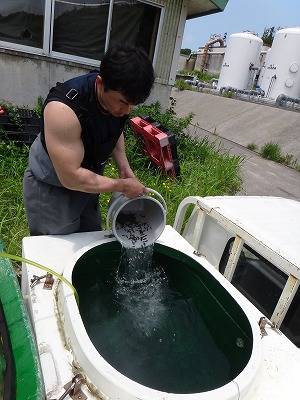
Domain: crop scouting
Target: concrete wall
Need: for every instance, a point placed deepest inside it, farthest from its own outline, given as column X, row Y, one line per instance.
column 25, row 77
column 213, row 62
column 186, row 64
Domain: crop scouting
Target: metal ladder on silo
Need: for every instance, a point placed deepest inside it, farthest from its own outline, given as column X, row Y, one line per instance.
column 274, row 77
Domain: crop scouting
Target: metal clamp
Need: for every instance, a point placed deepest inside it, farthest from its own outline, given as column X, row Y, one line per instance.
column 263, row 321
column 48, row 282
column 198, row 253
column 73, row 389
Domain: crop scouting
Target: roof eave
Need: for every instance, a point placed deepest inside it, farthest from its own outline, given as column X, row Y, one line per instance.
column 200, row 8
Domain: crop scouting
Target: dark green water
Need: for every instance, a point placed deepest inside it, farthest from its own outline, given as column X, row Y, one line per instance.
column 142, row 319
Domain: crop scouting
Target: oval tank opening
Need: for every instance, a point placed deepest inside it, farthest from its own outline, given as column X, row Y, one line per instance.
column 175, row 329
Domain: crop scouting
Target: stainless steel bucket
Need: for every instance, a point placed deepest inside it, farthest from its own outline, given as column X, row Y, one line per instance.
column 137, row 222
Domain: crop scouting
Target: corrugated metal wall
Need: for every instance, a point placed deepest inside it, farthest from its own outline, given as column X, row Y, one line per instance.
column 167, row 40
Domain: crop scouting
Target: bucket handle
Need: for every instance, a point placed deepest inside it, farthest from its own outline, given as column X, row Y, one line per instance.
column 160, row 197
column 149, row 191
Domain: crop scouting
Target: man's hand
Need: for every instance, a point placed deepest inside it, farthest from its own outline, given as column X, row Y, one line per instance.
column 133, row 188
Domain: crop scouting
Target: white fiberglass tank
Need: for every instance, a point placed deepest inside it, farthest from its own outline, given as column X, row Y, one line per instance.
column 282, row 75
column 264, row 67
column 242, row 54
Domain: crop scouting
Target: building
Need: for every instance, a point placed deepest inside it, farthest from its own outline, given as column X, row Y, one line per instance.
column 210, row 59
column 47, row 41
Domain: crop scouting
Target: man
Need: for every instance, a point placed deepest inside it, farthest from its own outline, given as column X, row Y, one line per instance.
column 81, row 126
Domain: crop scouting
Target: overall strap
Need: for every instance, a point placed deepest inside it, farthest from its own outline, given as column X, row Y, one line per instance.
column 71, row 97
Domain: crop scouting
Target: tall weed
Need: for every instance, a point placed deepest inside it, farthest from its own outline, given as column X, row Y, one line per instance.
column 13, row 223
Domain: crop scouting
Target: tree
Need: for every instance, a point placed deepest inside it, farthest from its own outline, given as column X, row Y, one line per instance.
column 268, row 35
column 186, row 51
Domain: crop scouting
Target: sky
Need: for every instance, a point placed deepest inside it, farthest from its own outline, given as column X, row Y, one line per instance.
column 240, row 16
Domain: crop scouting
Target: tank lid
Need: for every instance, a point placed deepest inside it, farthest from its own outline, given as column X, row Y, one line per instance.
column 295, row 30
column 246, row 35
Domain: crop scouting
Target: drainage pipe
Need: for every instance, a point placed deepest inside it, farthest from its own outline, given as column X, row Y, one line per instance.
column 202, row 85
column 214, row 82
column 282, row 98
column 226, row 89
column 205, row 51
column 190, row 56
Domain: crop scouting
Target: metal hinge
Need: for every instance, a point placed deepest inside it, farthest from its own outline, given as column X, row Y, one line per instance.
column 48, row 282
column 198, row 253
column 263, row 321
column 73, row 389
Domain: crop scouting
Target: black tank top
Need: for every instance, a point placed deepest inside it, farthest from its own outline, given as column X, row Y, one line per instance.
column 100, row 132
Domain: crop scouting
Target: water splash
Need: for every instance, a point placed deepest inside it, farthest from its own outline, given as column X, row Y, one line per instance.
column 140, row 289
column 135, row 264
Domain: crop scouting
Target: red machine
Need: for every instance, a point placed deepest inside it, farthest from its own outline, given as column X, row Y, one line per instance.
column 158, row 144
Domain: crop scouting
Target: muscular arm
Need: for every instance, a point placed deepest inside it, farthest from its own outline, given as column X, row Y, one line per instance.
column 65, row 148
column 120, row 158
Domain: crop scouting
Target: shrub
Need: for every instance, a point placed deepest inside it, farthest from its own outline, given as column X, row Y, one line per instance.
column 271, row 151
column 252, row 146
column 181, row 84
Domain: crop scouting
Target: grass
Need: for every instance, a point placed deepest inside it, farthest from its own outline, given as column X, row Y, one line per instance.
column 13, row 223
column 272, row 151
column 252, row 146
column 206, row 170
column 181, row 84
column 202, row 76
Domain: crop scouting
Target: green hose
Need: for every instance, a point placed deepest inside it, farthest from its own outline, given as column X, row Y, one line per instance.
column 60, row 277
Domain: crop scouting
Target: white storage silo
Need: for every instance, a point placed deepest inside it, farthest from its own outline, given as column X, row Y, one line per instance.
column 263, row 68
column 242, row 54
column 282, row 75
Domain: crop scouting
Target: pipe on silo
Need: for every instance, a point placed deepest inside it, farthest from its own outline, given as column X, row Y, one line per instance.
column 284, row 98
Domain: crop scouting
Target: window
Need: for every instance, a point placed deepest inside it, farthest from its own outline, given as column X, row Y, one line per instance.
column 22, row 22
column 78, row 30
column 137, row 22
column 259, row 280
column 262, row 283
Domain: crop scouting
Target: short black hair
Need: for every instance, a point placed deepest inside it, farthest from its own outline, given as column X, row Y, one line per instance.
column 127, row 69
